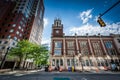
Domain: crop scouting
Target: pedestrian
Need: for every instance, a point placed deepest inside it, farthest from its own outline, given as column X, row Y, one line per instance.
column 113, row 67
column 58, row 67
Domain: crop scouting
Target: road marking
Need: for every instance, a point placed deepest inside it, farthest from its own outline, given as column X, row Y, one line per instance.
column 56, row 78
column 83, row 78
column 19, row 74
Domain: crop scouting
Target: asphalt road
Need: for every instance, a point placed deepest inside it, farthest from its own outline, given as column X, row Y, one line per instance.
column 59, row 76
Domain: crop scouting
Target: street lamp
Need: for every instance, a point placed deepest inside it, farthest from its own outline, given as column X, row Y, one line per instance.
column 74, row 61
column 4, row 58
column 80, row 59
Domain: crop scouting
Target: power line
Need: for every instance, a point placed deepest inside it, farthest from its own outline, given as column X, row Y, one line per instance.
column 110, row 8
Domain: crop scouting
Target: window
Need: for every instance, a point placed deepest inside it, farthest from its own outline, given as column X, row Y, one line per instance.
column 21, row 7
column 68, row 62
column 53, row 62
column 5, row 18
column 3, row 36
column 61, row 62
column 15, row 11
column 70, row 44
column 72, row 62
column 98, row 62
column 57, row 62
column 6, row 30
column 9, row 36
column 20, row 34
column 58, row 46
column 11, row 30
column 11, row 20
column 8, row 14
column 110, row 47
column 17, row 7
column 14, row 25
column 9, row 25
column 17, row 32
column 70, row 48
column 91, row 62
column 87, row 62
column 19, row 27
column 83, row 62
column 23, row 25
column 5, row 42
column 3, row 47
column 76, row 62
column 106, row 63
column 15, row 38
column 118, row 40
column 57, row 52
column 3, row 24
column 0, row 42
column 13, row 43
column 84, row 47
column 22, row 30
column 70, row 52
column 21, row 22
column 19, row 4
column 97, row 48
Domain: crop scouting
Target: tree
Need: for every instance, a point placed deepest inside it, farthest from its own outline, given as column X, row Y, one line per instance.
column 26, row 50
column 39, row 55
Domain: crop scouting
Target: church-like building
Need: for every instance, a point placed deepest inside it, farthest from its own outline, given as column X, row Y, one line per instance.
column 83, row 52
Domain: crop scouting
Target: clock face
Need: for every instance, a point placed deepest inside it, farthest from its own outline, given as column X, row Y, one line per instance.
column 57, row 31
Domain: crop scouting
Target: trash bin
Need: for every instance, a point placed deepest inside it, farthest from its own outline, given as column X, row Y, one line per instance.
column 46, row 69
column 72, row 68
column 69, row 69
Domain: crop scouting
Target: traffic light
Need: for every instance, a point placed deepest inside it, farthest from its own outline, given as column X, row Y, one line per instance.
column 101, row 22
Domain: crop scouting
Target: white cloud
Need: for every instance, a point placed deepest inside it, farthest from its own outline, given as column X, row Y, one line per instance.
column 45, row 41
column 94, row 30
column 96, row 18
column 85, row 15
column 45, row 22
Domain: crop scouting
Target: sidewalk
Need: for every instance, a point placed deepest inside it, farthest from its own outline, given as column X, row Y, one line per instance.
column 9, row 71
column 4, row 70
column 105, row 72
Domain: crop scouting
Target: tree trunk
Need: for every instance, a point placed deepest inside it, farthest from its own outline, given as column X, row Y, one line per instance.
column 21, row 63
column 24, row 61
column 14, row 65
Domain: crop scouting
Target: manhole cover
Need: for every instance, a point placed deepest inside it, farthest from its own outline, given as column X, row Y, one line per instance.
column 61, row 79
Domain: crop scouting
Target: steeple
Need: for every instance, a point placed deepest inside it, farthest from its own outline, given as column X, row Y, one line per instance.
column 57, row 28
column 57, row 22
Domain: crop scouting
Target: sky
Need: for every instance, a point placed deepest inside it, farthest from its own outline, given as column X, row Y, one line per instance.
column 80, row 16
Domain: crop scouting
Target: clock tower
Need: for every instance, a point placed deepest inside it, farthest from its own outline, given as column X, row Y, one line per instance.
column 57, row 28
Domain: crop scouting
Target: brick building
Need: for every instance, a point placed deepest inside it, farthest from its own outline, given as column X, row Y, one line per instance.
column 20, row 19
column 82, row 52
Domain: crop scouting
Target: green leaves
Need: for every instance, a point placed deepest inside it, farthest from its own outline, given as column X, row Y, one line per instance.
column 27, row 50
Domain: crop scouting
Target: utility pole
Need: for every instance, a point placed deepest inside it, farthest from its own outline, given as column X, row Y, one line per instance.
column 4, row 58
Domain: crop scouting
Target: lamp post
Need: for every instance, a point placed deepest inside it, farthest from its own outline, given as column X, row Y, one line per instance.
column 4, row 58
column 80, row 59
column 74, row 61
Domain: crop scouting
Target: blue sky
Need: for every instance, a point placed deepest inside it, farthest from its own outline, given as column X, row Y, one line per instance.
column 79, row 16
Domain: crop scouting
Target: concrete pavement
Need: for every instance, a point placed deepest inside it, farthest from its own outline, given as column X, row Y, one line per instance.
column 7, row 71
column 55, row 75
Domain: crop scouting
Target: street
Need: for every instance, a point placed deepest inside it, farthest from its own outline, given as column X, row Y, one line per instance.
column 41, row 75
